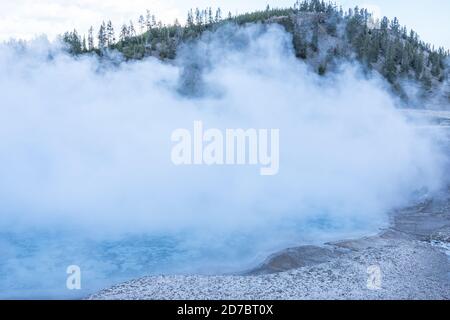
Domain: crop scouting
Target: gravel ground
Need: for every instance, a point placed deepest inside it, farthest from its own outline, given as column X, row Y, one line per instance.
column 409, row 269
column 412, row 258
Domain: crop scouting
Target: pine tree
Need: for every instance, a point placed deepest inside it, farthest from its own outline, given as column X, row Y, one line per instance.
column 406, row 60
column 419, row 64
column 91, row 39
column 218, row 17
column 384, row 24
column 413, row 38
column 131, row 30
column 73, row 41
column 389, row 68
column 210, row 16
column 435, row 64
column 385, row 46
column 148, row 20
column 110, row 37
column 190, row 19
column 124, row 35
column 102, row 41
column 141, row 24
column 84, row 45
column 395, row 25
column 198, row 17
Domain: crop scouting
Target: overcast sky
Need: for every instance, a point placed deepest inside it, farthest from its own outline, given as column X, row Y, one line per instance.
column 28, row 18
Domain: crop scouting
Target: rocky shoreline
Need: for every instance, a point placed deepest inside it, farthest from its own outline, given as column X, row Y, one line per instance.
column 412, row 257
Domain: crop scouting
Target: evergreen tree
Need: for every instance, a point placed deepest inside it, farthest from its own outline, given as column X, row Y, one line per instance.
column 148, row 20
column 419, row 64
column 395, row 25
column 73, row 41
column 110, row 37
column 389, row 68
column 131, row 30
column 384, row 24
column 385, row 47
column 102, row 38
column 406, row 60
column 198, row 17
column 190, row 19
column 124, row 35
column 218, row 17
column 210, row 16
column 91, row 39
column 142, row 24
column 84, row 45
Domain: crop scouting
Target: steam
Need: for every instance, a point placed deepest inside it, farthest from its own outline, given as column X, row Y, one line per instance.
column 85, row 147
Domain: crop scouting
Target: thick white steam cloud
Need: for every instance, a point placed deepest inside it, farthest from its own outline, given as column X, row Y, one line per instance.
column 85, row 145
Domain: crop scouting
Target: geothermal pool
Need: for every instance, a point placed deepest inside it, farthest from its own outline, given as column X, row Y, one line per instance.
column 33, row 264
column 86, row 176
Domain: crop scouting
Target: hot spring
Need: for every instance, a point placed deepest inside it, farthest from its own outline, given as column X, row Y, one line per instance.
column 87, row 177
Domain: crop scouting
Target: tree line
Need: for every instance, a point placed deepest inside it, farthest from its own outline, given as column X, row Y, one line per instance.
column 384, row 45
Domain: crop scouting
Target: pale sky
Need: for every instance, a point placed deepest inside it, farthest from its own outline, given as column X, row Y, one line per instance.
column 28, row 18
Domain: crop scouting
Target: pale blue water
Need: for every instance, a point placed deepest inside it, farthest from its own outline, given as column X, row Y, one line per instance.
column 33, row 263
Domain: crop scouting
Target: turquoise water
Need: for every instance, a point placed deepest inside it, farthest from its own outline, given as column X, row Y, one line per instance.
column 33, row 263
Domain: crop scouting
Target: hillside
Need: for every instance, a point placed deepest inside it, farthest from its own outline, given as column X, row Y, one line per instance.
column 323, row 35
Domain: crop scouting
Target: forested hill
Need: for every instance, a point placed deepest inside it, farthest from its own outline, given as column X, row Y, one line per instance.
column 323, row 35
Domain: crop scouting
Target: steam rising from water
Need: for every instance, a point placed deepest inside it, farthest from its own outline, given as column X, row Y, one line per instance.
column 86, row 175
